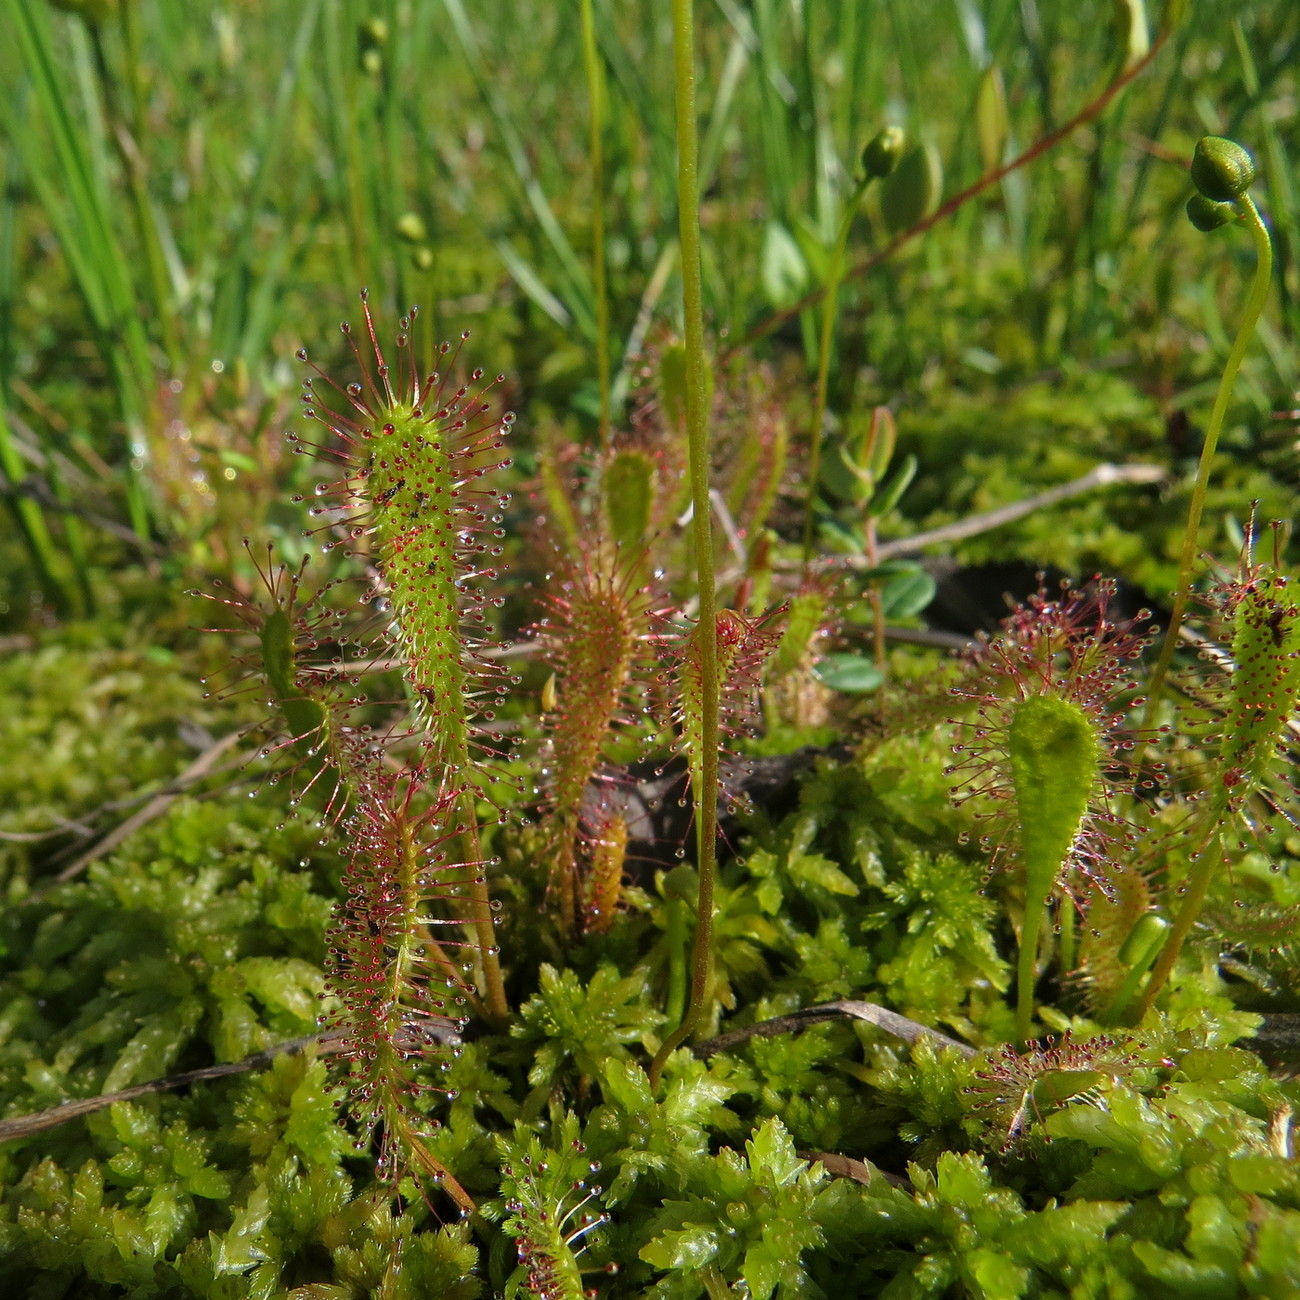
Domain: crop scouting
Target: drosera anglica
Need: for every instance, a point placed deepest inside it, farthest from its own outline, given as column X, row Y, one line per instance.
column 300, row 662
column 1259, row 624
column 596, row 636
column 400, row 999
column 415, row 450
column 1017, row 1089
column 744, row 645
column 1052, row 694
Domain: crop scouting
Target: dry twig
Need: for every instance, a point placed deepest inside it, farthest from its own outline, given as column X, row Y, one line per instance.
column 910, row 1031
column 156, row 806
column 25, row 1125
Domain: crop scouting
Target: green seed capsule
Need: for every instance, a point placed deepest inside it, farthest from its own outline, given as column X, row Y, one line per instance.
column 1221, row 169
column 1144, row 941
column 882, row 153
column 1205, row 214
column 912, row 193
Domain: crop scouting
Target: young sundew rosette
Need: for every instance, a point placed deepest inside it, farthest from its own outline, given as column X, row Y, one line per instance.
column 310, row 688
column 550, row 1208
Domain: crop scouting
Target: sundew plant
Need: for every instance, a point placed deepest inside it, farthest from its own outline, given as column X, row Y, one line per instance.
column 598, row 868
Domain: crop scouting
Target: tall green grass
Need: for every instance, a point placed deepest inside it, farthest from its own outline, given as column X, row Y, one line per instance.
column 214, row 184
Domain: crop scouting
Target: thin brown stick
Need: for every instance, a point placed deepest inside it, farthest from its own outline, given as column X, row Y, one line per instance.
column 860, row 1171
column 156, row 806
column 25, row 1125
column 41, row 493
column 84, row 827
column 931, row 637
column 1085, row 115
column 1102, row 476
column 910, row 1031
column 79, row 829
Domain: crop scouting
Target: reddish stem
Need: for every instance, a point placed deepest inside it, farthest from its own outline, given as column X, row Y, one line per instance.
column 1086, row 114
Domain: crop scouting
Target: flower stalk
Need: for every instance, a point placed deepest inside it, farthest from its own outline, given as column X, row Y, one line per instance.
column 697, row 433
column 1255, row 299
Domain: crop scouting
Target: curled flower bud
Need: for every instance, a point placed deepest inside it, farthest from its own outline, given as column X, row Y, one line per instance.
column 883, row 151
column 1205, row 214
column 1221, row 169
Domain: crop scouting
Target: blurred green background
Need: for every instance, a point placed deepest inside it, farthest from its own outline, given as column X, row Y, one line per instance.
column 194, row 191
